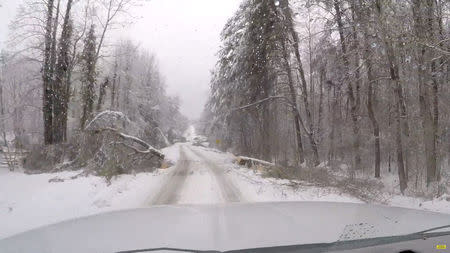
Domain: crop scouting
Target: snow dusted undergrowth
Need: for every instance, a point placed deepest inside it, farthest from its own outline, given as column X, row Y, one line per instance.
column 31, row 201
column 271, row 189
column 255, row 188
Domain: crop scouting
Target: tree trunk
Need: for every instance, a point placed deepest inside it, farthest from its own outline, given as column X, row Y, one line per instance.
column 101, row 94
column 350, row 93
column 113, row 87
column 60, row 84
column 435, row 85
column 398, row 140
column 117, row 89
column 448, row 146
column 53, row 56
column 372, row 117
column 389, row 127
column 393, row 65
column 370, row 93
column 309, row 121
column 394, row 75
column 266, row 152
column 332, row 150
column 47, row 105
column 428, row 123
column 322, row 76
column 297, row 116
column 89, row 77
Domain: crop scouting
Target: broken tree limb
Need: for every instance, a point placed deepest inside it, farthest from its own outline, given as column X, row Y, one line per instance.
column 248, row 161
column 247, row 106
column 267, row 99
column 148, row 148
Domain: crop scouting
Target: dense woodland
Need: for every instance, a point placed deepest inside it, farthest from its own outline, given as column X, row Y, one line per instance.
column 327, row 83
column 62, row 67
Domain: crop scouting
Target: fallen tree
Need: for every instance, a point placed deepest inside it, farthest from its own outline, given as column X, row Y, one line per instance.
column 125, row 137
column 108, row 150
column 250, row 162
column 104, row 147
column 268, row 169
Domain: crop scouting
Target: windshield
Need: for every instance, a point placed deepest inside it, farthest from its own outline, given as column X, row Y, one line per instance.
column 313, row 121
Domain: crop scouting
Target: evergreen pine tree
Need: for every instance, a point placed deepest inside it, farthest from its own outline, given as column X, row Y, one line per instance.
column 88, row 76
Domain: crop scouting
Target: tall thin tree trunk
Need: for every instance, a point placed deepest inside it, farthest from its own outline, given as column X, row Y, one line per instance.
column 356, row 101
column 118, row 84
column 389, row 127
column 67, row 95
column 398, row 140
column 350, row 92
column 333, row 111
column 394, row 75
column 266, row 146
column 320, row 113
column 370, row 92
column 428, row 123
column 102, row 93
column 398, row 117
column 89, row 77
column 309, row 127
column 297, row 116
column 448, row 146
column 53, row 56
column 372, row 117
column 47, row 102
column 435, row 84
column 60, row 83
column 113, row 86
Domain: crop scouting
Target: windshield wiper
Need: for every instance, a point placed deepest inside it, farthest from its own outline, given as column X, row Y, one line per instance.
column 432, row 229
column 351, row 244
column 321, row 247
column 168, row 249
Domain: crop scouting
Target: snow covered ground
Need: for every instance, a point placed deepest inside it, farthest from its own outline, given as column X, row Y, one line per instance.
column 200, row 176
column 30, row 201
column 255, row 188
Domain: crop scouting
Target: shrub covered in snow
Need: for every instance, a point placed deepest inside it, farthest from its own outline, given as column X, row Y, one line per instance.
column 46, row 158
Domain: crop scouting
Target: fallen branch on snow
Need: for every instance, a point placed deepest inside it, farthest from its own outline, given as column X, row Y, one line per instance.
column 249, row 161
column 148, row 148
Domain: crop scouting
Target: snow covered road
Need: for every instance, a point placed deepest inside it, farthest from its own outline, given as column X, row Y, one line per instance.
column 230, row 193
column 170, row 191
column 196, row 179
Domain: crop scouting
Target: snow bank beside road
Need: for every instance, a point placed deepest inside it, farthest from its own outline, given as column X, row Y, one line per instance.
column 255, row 188
column 260, row 189
column 31, row 201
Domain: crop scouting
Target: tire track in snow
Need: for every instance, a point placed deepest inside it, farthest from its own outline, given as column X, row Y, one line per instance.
column 229, row 192
column 171, row 191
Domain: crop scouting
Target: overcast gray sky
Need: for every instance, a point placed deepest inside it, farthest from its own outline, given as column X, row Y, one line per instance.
column 7, row 13
column 185, row 36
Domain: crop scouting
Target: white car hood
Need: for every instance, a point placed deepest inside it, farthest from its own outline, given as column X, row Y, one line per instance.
column 223, row 227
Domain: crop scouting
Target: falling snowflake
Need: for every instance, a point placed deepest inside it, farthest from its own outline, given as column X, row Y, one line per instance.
column 277, row 3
